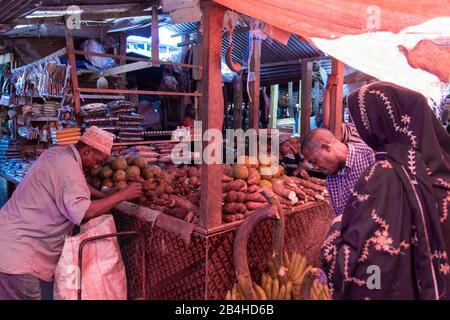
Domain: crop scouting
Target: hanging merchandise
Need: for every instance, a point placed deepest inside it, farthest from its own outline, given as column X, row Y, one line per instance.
column 40, row 80
column 255, row 33
column 230, row 20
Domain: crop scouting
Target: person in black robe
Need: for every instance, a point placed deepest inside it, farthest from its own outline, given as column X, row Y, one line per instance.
column 393, row 239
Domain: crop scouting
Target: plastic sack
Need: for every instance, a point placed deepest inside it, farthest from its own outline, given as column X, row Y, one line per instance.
column 103, row 270
column 100, row 62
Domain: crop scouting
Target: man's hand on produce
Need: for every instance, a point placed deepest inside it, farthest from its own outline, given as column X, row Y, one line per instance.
column 132, row 191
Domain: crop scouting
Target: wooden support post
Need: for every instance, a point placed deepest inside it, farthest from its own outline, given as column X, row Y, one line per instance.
column 255, row 67
column 73, row 73
column 184, row 101
column 155, row 34
column 291, row 98
column 237, row 115
column 273, row 113
column 212, row 112
column 299, row 109
column 306, row 96
column 336, row 95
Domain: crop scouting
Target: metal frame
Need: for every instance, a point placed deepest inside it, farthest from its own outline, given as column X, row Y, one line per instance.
column 117, row 234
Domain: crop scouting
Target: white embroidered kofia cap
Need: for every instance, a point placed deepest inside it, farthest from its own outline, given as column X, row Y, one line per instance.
column 98, row 139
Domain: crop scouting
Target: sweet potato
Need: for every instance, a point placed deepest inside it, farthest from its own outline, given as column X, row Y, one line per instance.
column 233, row 208
column 235, row 185
column 226, row 178
column 178, row 212
column 193, row 172
column 254, row 205
column 255, row 197
column 253, row 176
column 232, row 217
column 231, row 196
column 253, row 188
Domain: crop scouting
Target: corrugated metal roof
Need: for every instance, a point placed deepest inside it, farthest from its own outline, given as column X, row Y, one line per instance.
column 279, row 63
column 9, row 10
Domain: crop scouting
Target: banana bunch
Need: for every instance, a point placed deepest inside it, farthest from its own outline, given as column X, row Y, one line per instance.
column 320, row 292
column 294, row 280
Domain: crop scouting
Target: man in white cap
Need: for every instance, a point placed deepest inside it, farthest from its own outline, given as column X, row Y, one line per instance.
column 51, row 199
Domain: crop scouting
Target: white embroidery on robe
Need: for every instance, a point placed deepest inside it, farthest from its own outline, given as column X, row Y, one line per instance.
column 442, row 260
column 347, row 277
column 383, row 163
column 381, row 240
column 362, row 109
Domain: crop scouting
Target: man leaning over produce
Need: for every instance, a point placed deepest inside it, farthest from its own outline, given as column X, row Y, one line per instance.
column 51, row 199
column 342, row 163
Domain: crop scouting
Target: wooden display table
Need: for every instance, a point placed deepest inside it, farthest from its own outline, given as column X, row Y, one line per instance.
column 186, row 262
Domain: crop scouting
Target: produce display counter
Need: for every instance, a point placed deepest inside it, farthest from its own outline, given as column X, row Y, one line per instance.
column 183, row 261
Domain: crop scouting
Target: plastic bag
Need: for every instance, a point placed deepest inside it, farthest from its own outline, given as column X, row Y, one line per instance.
column 103, row 276
column 100, row 62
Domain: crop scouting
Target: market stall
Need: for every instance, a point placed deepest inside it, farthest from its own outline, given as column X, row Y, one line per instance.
column 190, row 214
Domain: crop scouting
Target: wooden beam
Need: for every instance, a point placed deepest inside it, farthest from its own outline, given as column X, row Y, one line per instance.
column 212, row 111
column 306, row 96
column 336, row 95
column 127, row 68
column 273, row 113
column 299, row 109
column 238, row 90
column 255, row 72
column 155, row 35
column 126, row 91
column 130, row 58
column 73, row 73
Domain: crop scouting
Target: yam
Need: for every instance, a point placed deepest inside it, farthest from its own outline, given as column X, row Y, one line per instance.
column 253, row 188
column 193, row 172
column 227, row 170
column 253, row 176
column 235, row 185
column 232, row 217
column 234, row 207
column 231, row 196
column 177, row 212
column 226, row 178
column 255, row 197
column 255, row 205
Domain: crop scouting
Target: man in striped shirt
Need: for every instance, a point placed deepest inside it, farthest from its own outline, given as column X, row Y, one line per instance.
column 342, row 163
